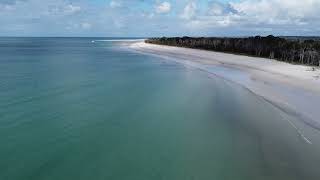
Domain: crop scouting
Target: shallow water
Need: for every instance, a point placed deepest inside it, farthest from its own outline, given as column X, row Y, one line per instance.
column 74, row 109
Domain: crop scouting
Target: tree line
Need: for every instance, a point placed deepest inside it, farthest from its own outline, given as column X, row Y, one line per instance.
column 298, row 51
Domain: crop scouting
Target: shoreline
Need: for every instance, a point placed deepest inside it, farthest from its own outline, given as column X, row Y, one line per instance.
column 294, row 89
column 304, row 52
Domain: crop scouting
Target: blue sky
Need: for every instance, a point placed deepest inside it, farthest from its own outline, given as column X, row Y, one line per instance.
column 145, row 18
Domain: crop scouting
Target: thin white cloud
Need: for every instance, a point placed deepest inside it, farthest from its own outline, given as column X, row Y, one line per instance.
column 71, row 9
column 115, row 4
column 189, row 11
column 6, row 7
column 62, row 9
column 86, row 25
column 10, row 1
column 216, row 9
column 162, row 8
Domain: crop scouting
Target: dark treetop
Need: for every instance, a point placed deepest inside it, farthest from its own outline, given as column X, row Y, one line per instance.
column 299, row 51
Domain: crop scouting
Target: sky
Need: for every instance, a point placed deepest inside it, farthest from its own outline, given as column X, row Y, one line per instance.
column 155, row 18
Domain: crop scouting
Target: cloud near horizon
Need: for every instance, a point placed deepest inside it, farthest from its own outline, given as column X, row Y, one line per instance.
column 163, row 7
column 159, row 17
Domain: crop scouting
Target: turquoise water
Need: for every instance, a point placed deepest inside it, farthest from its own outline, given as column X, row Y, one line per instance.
column 73, row 109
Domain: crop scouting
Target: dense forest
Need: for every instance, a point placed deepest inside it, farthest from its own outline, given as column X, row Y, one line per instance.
column 292, row 50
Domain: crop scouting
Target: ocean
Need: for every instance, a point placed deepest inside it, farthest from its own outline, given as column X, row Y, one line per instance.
column 82, row 108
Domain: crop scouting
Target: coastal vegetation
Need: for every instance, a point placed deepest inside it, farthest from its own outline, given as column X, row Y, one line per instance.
column 292, row 50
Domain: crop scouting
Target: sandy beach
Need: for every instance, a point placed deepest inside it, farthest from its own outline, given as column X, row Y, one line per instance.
column 294, row 89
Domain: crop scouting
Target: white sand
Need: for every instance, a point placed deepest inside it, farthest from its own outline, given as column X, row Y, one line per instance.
column 292, row 88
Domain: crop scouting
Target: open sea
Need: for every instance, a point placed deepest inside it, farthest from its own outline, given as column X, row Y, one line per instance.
column 84, row 109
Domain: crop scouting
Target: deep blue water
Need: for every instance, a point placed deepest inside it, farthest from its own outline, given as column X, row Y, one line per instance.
column 74, row 109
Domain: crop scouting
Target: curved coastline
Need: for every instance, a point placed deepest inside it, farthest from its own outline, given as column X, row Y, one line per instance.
column 294, row 89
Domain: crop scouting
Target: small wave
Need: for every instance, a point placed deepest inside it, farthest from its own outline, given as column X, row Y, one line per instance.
column 117, row 40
